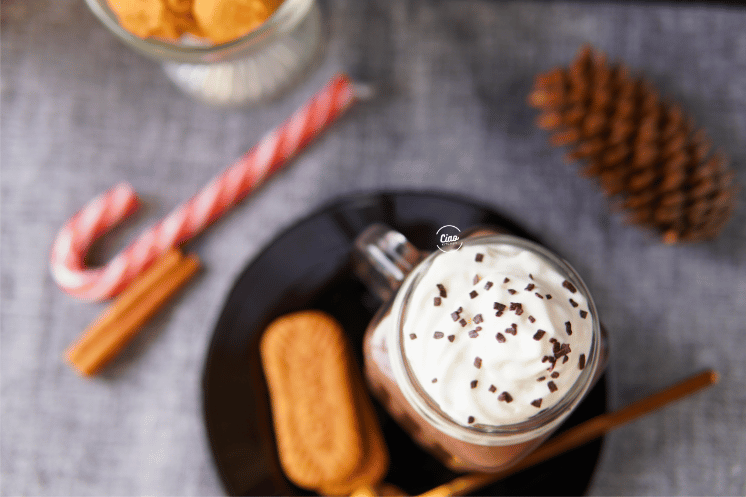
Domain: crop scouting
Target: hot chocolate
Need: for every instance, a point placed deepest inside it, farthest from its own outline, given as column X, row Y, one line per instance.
column 484, row 351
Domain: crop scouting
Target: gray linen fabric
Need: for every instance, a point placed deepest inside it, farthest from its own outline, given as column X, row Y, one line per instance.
column 80, row 111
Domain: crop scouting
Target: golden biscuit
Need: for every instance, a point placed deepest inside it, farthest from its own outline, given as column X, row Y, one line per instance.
column 180, row 6
column 317, row 426
column 375, row 461
column 225, row 20
column 140, row 17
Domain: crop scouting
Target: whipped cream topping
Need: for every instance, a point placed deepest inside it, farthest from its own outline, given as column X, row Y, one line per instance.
column 495, row 334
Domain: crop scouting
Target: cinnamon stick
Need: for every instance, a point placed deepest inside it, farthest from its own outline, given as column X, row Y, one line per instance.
column 581, row 434
column 122, row 320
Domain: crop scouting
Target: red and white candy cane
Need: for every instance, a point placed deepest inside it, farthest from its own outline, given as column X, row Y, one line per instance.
column 111, row 207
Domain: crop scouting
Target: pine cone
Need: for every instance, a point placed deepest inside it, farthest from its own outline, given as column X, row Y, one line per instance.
column 641, row 149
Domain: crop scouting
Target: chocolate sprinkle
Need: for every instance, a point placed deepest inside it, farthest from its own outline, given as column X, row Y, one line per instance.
column 565, row 359
column 552, row 386
column 530, row 287
column 471, row 419
column 462, row 322
column 513, row 330
column 476, row 279
column 500, row 308
column 473, row 334
column 555, row 375
column 561, row 350
column 568, row 327
column 488, row 285
column 442, row 289
column 539, row 334
column 505, row 396
column 549, row 296
column 530, row 275
column 569, row 286
column 492, row 388
column 541, row 378
column 500, row 337
column 412, row 336
column 539, row 295
column 477, row 362
column 551, row 360
column 451, row 338
column 506, row 280
column 473, row 293
column 460, row 309
column 436, row 301
column 518, row 308
column 478, row 328
column 474, row 383
column 536, row 403
column 479, row 257
column 531, row 319
column 511, row 291
column 455, row 315
column 435, row 380
column 583, row 314
column 438, row 335
column 573, row 303
column 478, row 319
column 581, row 361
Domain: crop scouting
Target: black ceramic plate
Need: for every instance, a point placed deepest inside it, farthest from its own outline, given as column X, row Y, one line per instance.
column 308, row 266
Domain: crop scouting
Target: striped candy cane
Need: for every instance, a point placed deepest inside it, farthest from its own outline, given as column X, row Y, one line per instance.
column 223, row 192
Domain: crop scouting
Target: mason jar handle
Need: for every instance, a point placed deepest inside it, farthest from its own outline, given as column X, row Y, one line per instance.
column 382, row 258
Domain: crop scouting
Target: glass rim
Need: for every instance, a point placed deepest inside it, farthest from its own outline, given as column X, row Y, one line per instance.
column 284, row 19
column 480, row 434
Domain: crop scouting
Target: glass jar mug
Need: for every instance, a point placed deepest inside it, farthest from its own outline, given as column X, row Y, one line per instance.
column 479, row 352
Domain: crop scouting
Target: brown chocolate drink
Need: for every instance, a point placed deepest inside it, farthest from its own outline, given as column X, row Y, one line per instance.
column 484, row 351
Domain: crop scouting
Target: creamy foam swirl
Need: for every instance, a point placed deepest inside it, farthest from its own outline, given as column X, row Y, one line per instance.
column 495, row 334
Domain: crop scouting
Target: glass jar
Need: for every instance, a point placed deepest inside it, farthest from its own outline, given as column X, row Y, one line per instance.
column 392, row 268
column 248, row 70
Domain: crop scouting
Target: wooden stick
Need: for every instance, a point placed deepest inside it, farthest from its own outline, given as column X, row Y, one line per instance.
column 122, row 320
column 580, row 434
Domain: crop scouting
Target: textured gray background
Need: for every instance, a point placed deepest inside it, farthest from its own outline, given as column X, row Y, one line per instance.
column 80, row 112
